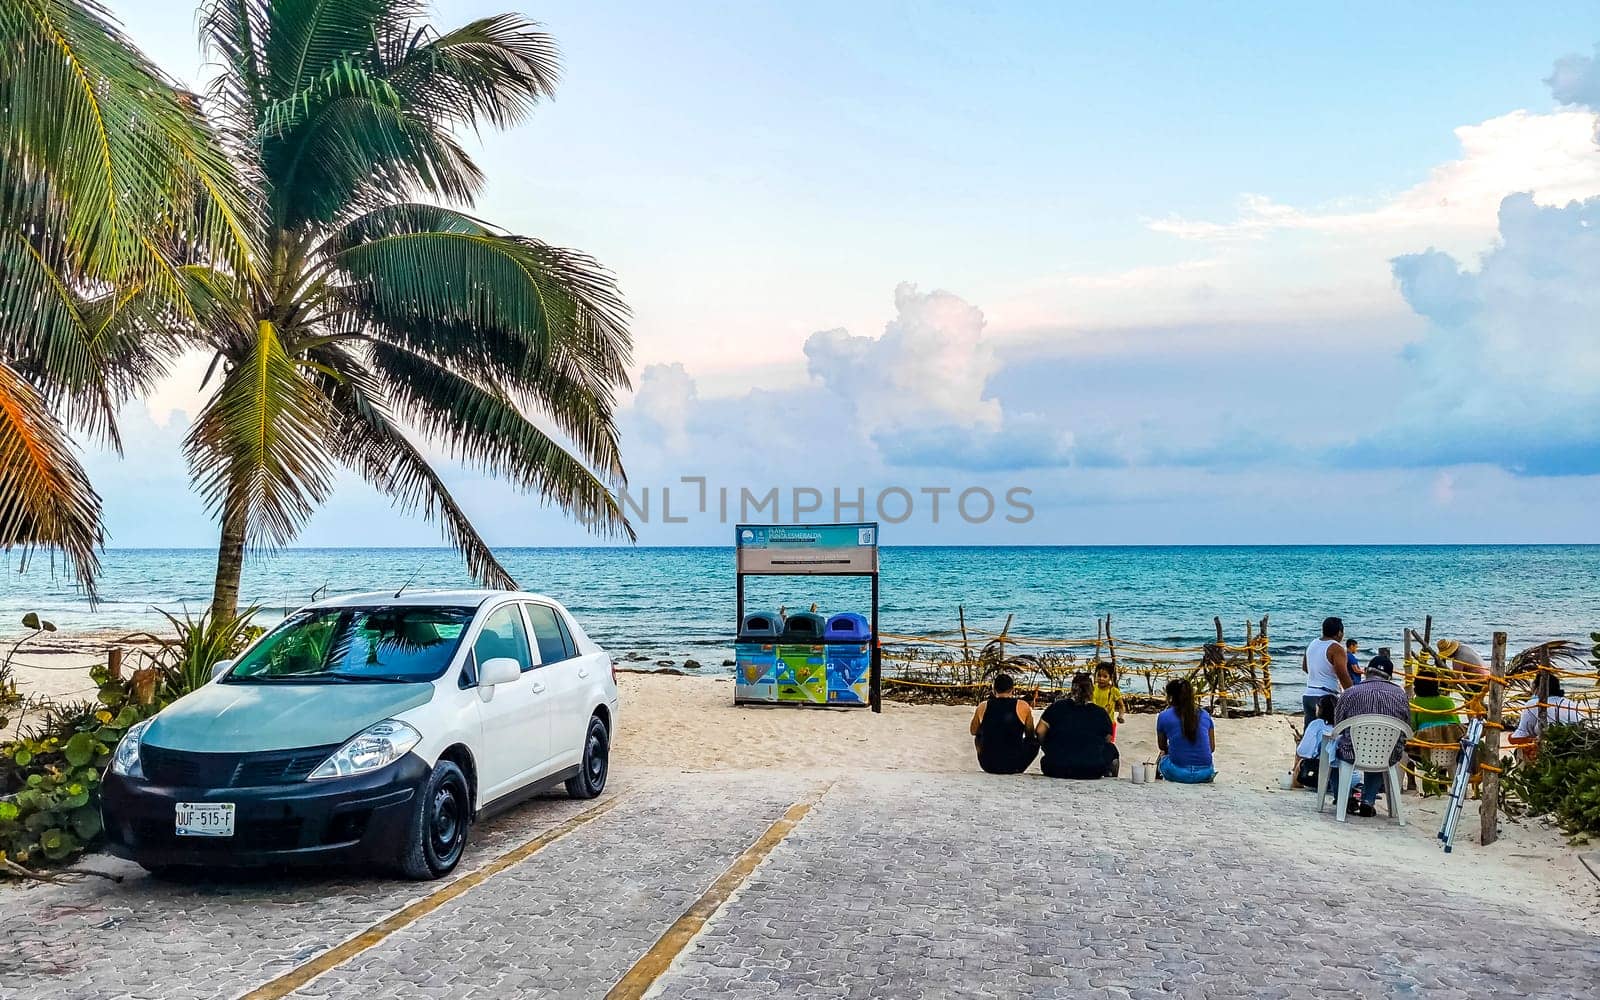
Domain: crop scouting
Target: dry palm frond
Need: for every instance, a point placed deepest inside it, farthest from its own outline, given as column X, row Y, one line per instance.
column 45, row 497
column 1547, row 654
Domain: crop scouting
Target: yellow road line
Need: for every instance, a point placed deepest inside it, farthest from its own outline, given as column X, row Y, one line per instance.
column 339, row 954
column 653, row 963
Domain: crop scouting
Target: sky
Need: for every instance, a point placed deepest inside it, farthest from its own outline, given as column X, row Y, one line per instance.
column 1135, row 273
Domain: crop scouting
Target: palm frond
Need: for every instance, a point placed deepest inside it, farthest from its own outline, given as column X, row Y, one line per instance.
column 484, row 428
column 306, row 37
column 368, row 440
column 260, row 442
column 344, row 78
column 86, row 355
column 96, row 138
column 545, row 323
column 45, row 498
column 495, row 69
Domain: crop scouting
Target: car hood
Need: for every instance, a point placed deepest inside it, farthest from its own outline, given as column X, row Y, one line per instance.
column 237, row 718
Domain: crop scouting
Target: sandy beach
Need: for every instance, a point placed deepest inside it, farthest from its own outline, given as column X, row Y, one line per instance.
column 689, row 725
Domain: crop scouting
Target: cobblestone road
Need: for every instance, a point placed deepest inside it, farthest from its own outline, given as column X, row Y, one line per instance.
column 894, row 885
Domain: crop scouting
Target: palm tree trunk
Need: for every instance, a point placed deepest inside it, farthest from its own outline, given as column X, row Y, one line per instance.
column 230, row 559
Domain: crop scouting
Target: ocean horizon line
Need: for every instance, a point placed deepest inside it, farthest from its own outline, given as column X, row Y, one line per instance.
column 605, row 547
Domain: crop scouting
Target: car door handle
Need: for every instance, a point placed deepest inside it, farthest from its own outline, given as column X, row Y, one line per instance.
column 583, row 671
column 538, row 687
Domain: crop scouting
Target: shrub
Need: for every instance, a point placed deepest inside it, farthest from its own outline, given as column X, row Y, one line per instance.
column 1563, row 781
column 50, row 775
column 53, row 776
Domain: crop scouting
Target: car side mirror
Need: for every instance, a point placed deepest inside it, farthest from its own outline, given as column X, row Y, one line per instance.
column 497, row 671
column 220, row 667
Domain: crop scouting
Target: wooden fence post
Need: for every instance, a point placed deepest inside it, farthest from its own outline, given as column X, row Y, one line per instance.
column 1250, row 661
column 1493, row 702
column 1111, row 646
column 114, row 663
column 1266, row 666
column 1411, row 696
column 966, row 647
column 1405, row 662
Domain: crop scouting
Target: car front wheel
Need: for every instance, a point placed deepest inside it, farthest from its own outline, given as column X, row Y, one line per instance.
column 590, row 780
column 439, row 823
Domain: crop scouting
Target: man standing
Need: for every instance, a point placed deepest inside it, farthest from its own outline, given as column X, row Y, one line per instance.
column 1375, row 695
column 1326, row 665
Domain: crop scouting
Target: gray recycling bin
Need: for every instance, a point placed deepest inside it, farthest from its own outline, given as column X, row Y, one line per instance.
column 760, row 625
column 804, row 626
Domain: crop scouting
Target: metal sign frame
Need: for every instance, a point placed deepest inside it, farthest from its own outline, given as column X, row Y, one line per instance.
column 812, row 550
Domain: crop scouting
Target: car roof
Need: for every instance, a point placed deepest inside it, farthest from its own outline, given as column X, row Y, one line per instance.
column 425, row 598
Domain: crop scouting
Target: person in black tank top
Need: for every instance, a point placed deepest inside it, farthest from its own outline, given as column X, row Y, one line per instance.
column 1002, row 730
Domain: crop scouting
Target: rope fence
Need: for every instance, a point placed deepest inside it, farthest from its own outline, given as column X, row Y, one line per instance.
column 961, row 662
column 1498, row 693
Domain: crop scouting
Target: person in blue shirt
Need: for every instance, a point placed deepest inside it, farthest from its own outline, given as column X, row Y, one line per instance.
column 1187, row 737
column 1353, row 660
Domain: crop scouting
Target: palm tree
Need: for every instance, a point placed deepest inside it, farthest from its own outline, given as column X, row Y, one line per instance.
column 383, row 314
column 108, row 179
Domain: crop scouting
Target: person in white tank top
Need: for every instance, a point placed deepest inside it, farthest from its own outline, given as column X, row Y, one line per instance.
column 1326, row 665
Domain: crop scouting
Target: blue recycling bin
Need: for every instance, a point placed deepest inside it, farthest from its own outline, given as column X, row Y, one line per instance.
column 849, row 639
column 847, row 627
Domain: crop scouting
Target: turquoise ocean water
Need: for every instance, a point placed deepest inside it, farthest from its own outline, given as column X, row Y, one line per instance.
column 678, row 603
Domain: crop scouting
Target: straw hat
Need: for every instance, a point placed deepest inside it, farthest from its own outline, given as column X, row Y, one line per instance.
column 1448, row 647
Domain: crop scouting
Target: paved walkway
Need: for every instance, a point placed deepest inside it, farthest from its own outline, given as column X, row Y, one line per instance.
column 890, row 885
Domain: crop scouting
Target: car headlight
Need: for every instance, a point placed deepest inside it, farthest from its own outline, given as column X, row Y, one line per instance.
column 125, row 759
column 379, row 746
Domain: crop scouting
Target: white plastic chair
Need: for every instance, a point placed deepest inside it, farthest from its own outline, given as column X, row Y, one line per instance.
column 1443, row 758
column 1373, row 738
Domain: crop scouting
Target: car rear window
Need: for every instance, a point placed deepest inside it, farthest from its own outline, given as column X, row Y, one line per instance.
column 548, row 633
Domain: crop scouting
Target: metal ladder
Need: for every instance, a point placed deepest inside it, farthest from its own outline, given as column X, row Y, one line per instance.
column 1465, row 763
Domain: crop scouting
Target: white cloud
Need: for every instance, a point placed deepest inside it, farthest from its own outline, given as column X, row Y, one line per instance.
column 1508, row 372
column 931, row 365
column 1552, row 155
column 663, row 403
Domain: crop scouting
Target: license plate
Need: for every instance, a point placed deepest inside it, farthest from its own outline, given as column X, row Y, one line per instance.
column 205, row 819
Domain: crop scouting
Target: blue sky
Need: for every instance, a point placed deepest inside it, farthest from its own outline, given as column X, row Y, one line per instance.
column 1164, row 266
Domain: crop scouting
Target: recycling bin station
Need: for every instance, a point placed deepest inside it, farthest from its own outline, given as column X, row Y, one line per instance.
column 806, row 658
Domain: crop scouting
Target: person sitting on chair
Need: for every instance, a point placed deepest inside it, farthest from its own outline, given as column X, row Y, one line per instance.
column 1377, row 694
column 1076, row 736
column 1002, row 730
column 1308, row 755
column 1550, row 706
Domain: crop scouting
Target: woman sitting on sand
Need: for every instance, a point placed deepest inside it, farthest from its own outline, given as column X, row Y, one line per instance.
column 1187, row 737
column 1075, row 734
column 1002, row 730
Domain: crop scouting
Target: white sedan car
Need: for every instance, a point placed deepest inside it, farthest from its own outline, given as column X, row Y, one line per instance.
column 375, row 727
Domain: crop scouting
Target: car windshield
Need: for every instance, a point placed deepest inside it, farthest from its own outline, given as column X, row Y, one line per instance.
column 370, row 645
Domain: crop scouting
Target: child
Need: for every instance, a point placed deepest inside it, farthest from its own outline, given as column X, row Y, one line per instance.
column 1108, row 695
column 1308, row 755
column 1352, row 661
